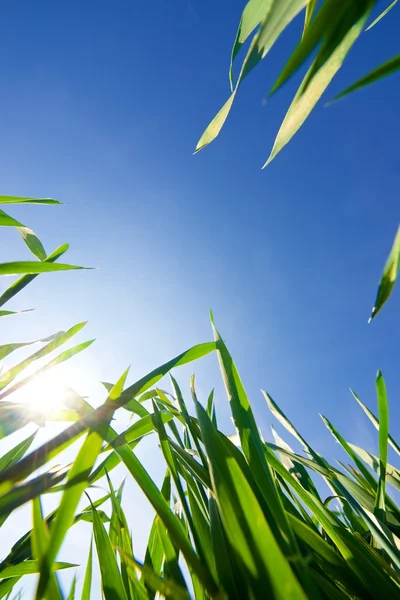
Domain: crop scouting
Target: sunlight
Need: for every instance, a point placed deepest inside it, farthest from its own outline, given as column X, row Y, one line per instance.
column 45, row 394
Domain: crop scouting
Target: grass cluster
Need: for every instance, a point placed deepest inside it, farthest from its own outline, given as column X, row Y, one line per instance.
column 236, row 516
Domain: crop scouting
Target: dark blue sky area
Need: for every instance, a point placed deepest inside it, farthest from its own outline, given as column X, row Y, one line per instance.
column 101, row 106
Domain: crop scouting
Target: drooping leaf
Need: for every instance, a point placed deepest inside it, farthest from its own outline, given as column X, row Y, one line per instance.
column 389, row 276
column 339, row 26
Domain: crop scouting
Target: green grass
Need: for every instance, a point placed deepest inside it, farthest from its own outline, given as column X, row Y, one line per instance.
column 236, row 517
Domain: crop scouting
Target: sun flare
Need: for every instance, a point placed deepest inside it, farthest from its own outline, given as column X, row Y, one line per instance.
column 44, row 394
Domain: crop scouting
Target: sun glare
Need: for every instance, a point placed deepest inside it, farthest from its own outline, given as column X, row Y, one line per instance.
column 45, row 394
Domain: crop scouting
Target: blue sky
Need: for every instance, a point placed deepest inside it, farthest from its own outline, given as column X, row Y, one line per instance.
column 101, row 107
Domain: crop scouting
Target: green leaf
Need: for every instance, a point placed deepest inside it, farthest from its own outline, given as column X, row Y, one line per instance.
column 71, row 595
column 310, row 9
column 253, row 14
column 33, row 242
column 389, row 276
column 87, row 583
column 375, row 422
column 40, row 538
column 29, row 237
column 263, row 565
column 383, row 411
column 252, row 445
column 281, row 13
column 387, row 68
column 54, row 342
column 21, row 200
column 392, row 474
column 345, row 25
column 166, row 587
column 29, row 267
column 112, row 584
column 7, row 221
column 23, row 281
column 6, row 313
column 30, row 567
column 382, row 14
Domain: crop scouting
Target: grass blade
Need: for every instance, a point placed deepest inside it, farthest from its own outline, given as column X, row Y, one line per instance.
column 383, row 14
column 389, row 276
column 383, row 411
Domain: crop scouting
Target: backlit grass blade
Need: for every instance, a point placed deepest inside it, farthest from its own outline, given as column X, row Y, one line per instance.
column 392, row 474
column 7, row 349
column 387, row 68
column 383, row 411
column 375, row 422
column 7, row 313
column 62, row 357
column 21, row 200
column 21, row 494
column 389, row 276
column 71, row 595
column 16, row 452
column 227, row 572
column 23, row 281
column 310, row 9
column 254, row 12
column 40, row 537
column 87, row 582
column 382, row 14
column 294, row 467
column 368, row 478
column 170, row 520
column 166, row 587
column 252, row 444
column 154, row 556
column 32, row 241
column 30, row 567
column 320, row 74
column 279, row 15
column 78, row 478
column 112, row 584
column 34, row 268
column 261, row 560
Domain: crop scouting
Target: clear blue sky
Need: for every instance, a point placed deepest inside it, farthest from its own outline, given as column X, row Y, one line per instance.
column 101, row 106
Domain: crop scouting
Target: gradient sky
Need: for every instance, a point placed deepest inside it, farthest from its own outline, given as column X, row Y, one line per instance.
column 101, row 106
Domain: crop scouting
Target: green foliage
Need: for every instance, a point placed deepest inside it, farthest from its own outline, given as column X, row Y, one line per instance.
column 252, row 522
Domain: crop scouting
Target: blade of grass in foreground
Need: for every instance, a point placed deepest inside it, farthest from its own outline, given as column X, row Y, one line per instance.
column 383, row 411
column 40, row 537
column 112, row 584
column 168, row 588
column 87, row 582
column 264, row 567
column 252, row 445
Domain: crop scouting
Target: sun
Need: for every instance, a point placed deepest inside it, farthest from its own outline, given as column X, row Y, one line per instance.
column 45, row 394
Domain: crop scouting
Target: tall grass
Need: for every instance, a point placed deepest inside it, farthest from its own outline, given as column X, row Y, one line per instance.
column 236, row 516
